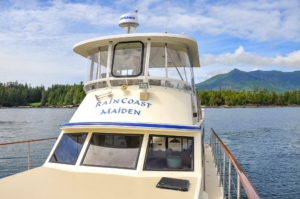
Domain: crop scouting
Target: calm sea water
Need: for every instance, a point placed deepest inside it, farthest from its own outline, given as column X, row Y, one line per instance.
column 265, row 141
column 27, row 124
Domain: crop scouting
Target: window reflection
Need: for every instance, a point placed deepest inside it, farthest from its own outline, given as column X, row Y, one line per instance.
column 128, row 59
column 169, row 153
column 68, row 148
column 97, row 63
column 118, row 150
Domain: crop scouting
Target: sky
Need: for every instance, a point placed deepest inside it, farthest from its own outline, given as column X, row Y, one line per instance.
column 37, row 36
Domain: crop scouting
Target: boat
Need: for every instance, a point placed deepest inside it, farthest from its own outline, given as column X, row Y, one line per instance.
column 139, row 132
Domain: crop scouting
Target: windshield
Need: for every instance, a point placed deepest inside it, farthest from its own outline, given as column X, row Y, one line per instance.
column 68, row 149
column 113, row 150
column 128, row 59
column 169, row 153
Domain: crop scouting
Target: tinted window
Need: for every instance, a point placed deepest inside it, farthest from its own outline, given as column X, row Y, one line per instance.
column 118, row 150
column 68, row 148
column 169, row 153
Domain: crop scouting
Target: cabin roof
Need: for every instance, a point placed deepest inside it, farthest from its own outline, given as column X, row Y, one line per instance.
column 83, row 48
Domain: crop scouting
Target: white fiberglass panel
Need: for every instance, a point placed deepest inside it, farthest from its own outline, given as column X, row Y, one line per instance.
column 165, row 105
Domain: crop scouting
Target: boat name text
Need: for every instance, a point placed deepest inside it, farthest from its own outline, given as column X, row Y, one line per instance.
column 121, row 110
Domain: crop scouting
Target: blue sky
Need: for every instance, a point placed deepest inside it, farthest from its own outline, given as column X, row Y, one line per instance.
column 37, row 37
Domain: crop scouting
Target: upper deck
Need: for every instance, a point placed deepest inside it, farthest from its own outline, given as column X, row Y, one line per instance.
column 118, row 64
column 88, row 47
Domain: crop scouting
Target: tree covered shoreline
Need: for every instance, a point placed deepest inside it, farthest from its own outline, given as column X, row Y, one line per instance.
column 14, row 94
column 255, row 98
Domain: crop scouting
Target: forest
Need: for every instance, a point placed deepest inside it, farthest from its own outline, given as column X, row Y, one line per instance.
column 261, row 97
column 13, row 94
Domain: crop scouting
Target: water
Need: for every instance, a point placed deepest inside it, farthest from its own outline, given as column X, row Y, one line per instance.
column 27, row 124
column 265, row 141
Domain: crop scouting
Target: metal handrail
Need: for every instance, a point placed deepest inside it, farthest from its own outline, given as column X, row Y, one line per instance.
column 28, row 142
column 241, row 175
column 25, row 141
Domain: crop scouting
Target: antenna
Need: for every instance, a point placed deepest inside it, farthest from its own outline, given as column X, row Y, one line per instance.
column 167, row 16
column 136, row 12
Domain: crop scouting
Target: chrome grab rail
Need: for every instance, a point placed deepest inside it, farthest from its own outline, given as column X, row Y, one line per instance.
column 28, row 148
column 217, row 146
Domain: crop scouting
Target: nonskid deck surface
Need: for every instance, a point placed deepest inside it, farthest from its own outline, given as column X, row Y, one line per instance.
column 211, row 178
column 46, row 182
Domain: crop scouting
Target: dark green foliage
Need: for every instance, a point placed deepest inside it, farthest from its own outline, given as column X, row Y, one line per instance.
column 60, row 95
column 15, row 94
column 256, row 97
column 239, row 80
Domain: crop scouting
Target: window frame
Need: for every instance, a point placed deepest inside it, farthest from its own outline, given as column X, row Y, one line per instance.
column 114, row 134
column 142, row 60
column 82, row 133
column 170, row 136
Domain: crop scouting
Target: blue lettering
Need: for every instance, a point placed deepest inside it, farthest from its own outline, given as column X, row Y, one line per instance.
column 108, row 112
column 102, row 112
column 137, row 112
column 98, row 104
column 130, row 101
column 123, row 101
column 137, row 102
column 148, row 105
column 110, row 101
column 104, row 103
column 114, row 111
column 116, row 101
column 129, row 111
column 127, row 17
column 124, row 110
column 143, row 104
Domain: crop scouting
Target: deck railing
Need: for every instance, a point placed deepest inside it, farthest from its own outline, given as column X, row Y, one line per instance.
column 28, row 146
column 222, row 157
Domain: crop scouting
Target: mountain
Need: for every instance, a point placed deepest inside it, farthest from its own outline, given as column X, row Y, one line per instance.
column 238, row 80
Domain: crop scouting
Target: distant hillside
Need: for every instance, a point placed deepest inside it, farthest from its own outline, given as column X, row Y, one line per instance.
column 238, row 80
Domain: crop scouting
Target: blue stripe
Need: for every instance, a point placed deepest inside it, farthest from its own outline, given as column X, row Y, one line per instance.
column 167, row 126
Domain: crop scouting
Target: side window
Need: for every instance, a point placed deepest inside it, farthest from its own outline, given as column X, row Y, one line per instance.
column 68, row 149
column 113, row 150
column 128, row 59
column 97, row 63
column 169, row 153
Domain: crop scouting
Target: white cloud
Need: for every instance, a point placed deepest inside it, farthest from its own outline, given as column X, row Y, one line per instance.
column 241, row 57
column 37, row 36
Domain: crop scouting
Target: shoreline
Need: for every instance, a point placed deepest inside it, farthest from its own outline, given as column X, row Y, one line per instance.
column 252, row 106
column 215, row 106
column 26, row 107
